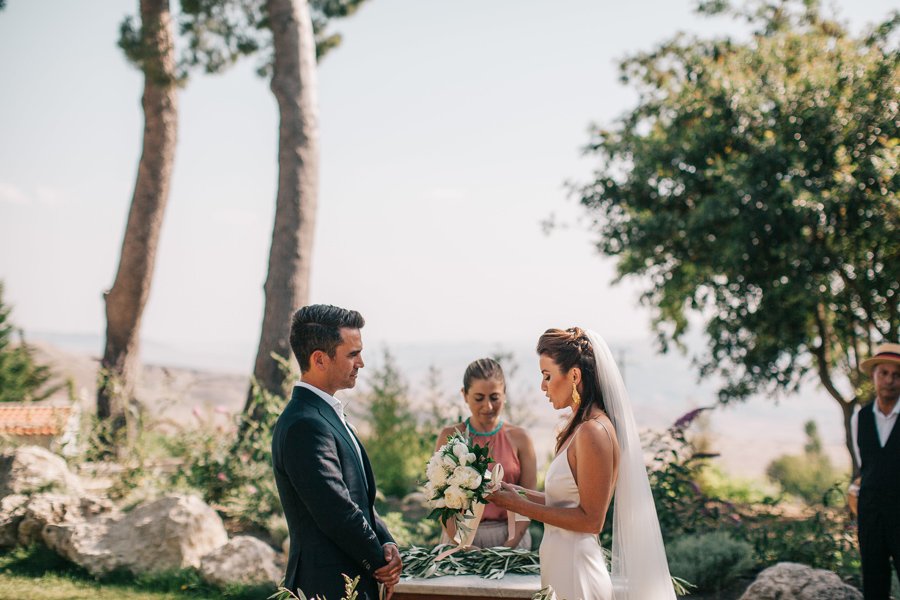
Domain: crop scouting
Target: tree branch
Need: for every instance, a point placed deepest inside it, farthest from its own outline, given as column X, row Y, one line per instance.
column 822, row 355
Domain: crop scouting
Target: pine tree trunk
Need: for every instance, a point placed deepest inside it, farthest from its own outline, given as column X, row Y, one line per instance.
column 295, row 89
column 126, row 300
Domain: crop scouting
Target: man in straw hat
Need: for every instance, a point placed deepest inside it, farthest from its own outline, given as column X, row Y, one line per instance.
column 877, row 443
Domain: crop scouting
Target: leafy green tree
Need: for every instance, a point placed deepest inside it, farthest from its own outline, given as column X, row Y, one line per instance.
column 22, row 379
column 396, row 448
column 755, row 186
column 439, row 408
column 809, row 475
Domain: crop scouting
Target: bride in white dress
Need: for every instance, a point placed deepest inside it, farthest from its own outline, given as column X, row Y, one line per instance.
column 598, row 454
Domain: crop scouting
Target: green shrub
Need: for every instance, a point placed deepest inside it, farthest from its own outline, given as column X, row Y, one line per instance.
column 825, row 540
column 235, row 477
column 22, row 379
column 397, row 449
column 810, row 475
column 716, row 483
column 692, row 499
column 421, row 532
column 709, row 561
column 681, row 505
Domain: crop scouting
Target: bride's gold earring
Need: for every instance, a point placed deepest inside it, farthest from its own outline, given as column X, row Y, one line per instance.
column 576, row 397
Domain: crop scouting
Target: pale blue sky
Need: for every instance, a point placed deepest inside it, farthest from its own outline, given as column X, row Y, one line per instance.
column 448, row 130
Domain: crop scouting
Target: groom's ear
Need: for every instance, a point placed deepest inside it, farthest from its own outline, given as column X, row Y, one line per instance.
column 317, row 360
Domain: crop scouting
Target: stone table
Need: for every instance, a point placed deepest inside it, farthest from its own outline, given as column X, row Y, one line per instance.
column 468, row 587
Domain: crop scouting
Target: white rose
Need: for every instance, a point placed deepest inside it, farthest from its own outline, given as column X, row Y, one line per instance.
column 458, row 477
column 456, row 497
column 465, row 477
column 429, row 490
column 462, row 453
column 436, row 473
column 470, row 458
column 439, row 503
column 448, row 462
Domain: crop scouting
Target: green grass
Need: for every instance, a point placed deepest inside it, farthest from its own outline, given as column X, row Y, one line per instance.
column 38, row 574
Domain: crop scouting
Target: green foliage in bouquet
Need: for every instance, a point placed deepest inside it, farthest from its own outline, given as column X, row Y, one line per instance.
column 710, row 561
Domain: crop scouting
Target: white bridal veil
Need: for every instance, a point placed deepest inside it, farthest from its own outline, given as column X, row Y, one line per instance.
column 638, row 555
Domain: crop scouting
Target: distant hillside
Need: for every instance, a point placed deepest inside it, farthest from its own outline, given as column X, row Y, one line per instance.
column 176, row 380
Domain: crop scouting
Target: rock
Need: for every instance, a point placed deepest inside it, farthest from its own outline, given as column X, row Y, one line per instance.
column 30, row 469
column 23, row 518
column 12, row 510
column 171, row 533
column 792, row 581
column 42, row 510
column 243, row 560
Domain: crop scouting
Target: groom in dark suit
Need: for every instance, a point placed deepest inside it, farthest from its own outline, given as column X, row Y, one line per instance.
column 322, row 471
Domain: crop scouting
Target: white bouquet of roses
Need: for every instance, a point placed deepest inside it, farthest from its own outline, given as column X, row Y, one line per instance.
column 458, row 479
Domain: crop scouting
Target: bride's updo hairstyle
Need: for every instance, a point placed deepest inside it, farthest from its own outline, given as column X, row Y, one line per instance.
column 571, row 348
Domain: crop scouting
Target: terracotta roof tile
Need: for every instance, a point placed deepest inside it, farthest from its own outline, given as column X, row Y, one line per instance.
column 33, row 420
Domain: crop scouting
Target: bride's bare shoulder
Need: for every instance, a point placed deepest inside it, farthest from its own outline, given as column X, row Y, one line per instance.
column 598, row 431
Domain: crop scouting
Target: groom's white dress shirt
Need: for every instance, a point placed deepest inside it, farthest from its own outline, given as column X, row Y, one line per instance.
column 338, row 408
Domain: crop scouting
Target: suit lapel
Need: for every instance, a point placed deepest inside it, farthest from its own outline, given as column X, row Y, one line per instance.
column 367, row 467
column 328, row 414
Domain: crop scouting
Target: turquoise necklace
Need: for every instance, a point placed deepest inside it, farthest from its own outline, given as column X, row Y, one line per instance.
column 483, row 433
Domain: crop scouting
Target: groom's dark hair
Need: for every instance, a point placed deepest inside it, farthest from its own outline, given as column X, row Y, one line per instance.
column 318, row 327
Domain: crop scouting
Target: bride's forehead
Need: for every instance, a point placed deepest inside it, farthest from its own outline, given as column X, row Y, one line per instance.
column 548, row 364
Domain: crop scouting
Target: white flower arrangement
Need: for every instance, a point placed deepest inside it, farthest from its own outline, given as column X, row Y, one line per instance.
column 458, row 478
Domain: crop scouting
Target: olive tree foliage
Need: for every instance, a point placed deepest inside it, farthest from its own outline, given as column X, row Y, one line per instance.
column 754, row 185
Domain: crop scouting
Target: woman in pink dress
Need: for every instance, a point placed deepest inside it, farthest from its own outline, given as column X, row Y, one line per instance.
column 484, row 391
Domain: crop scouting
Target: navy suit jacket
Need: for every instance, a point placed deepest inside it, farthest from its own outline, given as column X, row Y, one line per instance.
column 328, row 497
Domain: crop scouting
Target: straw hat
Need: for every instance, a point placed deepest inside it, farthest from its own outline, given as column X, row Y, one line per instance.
column 885, row 353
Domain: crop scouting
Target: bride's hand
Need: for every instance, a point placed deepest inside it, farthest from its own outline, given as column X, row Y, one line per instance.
column 504, row 497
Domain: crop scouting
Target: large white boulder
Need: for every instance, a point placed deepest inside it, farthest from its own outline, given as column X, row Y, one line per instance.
column 12, row 510
column 42, row 510
column 243, row 560
column 31, row 469
column 171, row 533
column 793, row 581
column 23, row 518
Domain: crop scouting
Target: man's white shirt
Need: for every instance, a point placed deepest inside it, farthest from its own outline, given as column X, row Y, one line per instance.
column 338, row 408
column 883, row 423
